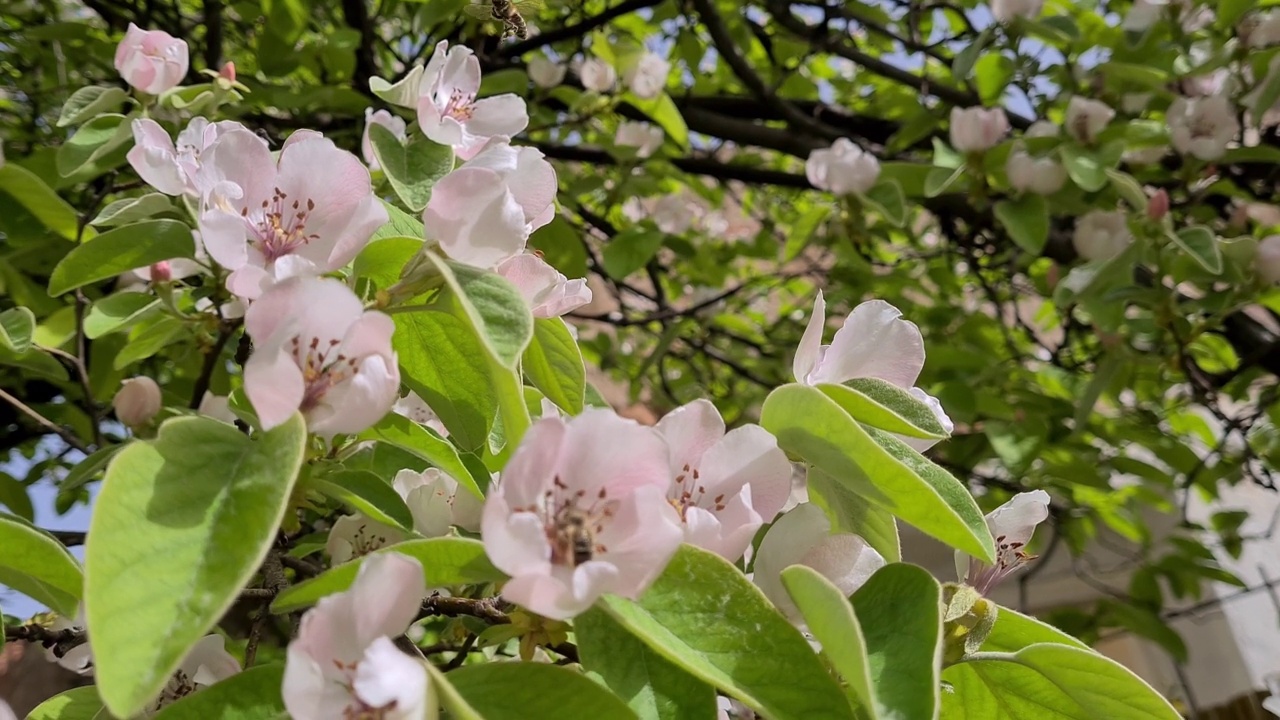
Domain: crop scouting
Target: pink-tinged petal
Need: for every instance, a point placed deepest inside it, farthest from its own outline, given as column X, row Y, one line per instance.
column 330, row 184
column 387, row 593
column 357, row 403
column 749, row 455
column 303, row 135
column 274, row 385
column 787, row 541
column 365, row 219
column 504, row 114
column 643, row 535
column 875, row 342
column 307, row 692
column 467, row 509
column 604, row 451
column 921, row 444
column 249, row 281
column 844, row 559
column 475, row 219
column 534, row 465
column 241, row 157
column 460, row 72
column 728, row 532
column 548, row 596
column 534, row 183
column 809, row 351
column 321, row 308
column 1016, row 520
column 388, row 678
column 369, row 335
column 691, row 430
column 208, row 661
column 153, row 158
column 223, row 234
column 516, row 543
column 566, row 298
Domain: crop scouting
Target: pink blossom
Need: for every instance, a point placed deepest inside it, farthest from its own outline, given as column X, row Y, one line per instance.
column 344, row 662
column 391, row 122
column 726, row 485
column 483, row 212
column 977, row 129
column 874, row 342
column 437, row 502
column 597, row 75
column 548, row 292
column 1012, row 525
column 217, row 407
column 580, row 512
column 318, row 351
column 173, row 168
column 228, row 71
column 646, row 139
column 842, row 168
column 803, row 537
column 648, row 76
column 448, row 110
column 151, row 60
column 417, row 410
column 206, row 663
column 307, row 214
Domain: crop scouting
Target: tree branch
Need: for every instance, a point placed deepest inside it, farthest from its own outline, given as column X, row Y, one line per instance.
column 578, row 29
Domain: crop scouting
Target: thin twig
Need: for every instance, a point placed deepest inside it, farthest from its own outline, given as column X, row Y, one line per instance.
column 66, row 435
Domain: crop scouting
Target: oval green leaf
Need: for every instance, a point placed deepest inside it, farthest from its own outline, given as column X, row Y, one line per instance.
column 830, row 618
column 882, row 404
column 181, row 525
column 413, row 167
column 35, row 564
column 900, row 612
column 553, row 364
column 40, row 200
column 423, row 442
column 518, row 691
column 119, row 251
column 250, row 695
column 367, row 494
column 750, row 652
column 80, row 703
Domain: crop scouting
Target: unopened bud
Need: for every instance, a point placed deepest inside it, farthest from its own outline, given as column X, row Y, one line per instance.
column 1267, row 261
column 228, row 72
column 137, row 401
column 1158, row 205
column 161, row 272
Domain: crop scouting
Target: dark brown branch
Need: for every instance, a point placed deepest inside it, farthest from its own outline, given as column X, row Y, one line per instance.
column 356, row 14
column 67, row 436
column 213, row 34
column 485, row 608
column 61, row 641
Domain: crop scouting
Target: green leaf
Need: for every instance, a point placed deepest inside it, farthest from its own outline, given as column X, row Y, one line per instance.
column 900, row 611
column 153, row 338
column 553, row 364
column 1265, row 96
column 940, row 179
column 36, row 362
column 1026, row 219
column 1201, row 244
column 286, row 18
column 403, row 93
column 40, row 200
column 518, row 691
column 400, row 224
column 877, row 467
column 850, row 512
column 992, row 74
column 97, row 146
column 87, row 102
column 1147, row 624
column 250, row 695
column 413, row 167
column 964, row 61
column 37, row 565
column 1087, row 168
column 1230, row 11
column 134, row 209
column 630, row 250
column 382, row 261
column 118, row 312
column 180, row 526
column 749, row 652
column 887, row 197
column 447, row 561
column 882, row 404
column 80, row 703
column 1076, row 683
column 119, row 251
column 13, row 495
column 1129, row 189
column 16, row 327
column 830, row 618
column 652, row 687
column 438, row 358
column 87, row 469
column 423, row 442
column 498, row 312
column 367, row 494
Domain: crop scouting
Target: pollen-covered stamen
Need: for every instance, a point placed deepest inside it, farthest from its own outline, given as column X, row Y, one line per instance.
column 320, row 372
column 688, row 491
column 573, row 522
column 358, row 709
column 178, row 687
column 279, row 226
column 461, row 105
column 1202, row 126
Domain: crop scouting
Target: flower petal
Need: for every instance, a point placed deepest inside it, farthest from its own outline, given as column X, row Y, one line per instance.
column 690, row 430
column 749, row 455
column 875, row 342
column 809, row 351
column 274, row 384
column 388, row 678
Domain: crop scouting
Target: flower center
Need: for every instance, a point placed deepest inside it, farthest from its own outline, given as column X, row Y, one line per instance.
column 358, row 709
column 572, row 525
column 280, row 229
column 319, row 371
column 178, row 687
column 689, row 491
column 1202, row 126
column 460, row 106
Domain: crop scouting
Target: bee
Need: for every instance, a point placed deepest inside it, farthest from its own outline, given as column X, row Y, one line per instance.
column 507, row 12
column 573, row 539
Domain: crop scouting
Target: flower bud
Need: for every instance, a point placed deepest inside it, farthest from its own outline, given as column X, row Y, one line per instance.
column 228, row 72
column 597, row 75
column 544, row 73
column 1158, row 205
column 1039, row 175
column 1267, row 260
column 137, row 401
column 1101, row 235
column 842, row 168
column 161, row 272
column 151, row 60
column 977, row 129
column 1006, row 10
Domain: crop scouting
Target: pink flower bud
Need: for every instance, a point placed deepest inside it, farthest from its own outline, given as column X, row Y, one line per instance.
column 977, row 129
column 137, row 401
column 228, row 72
column 161, row 272
column 1158, row 205
column 151, row 60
